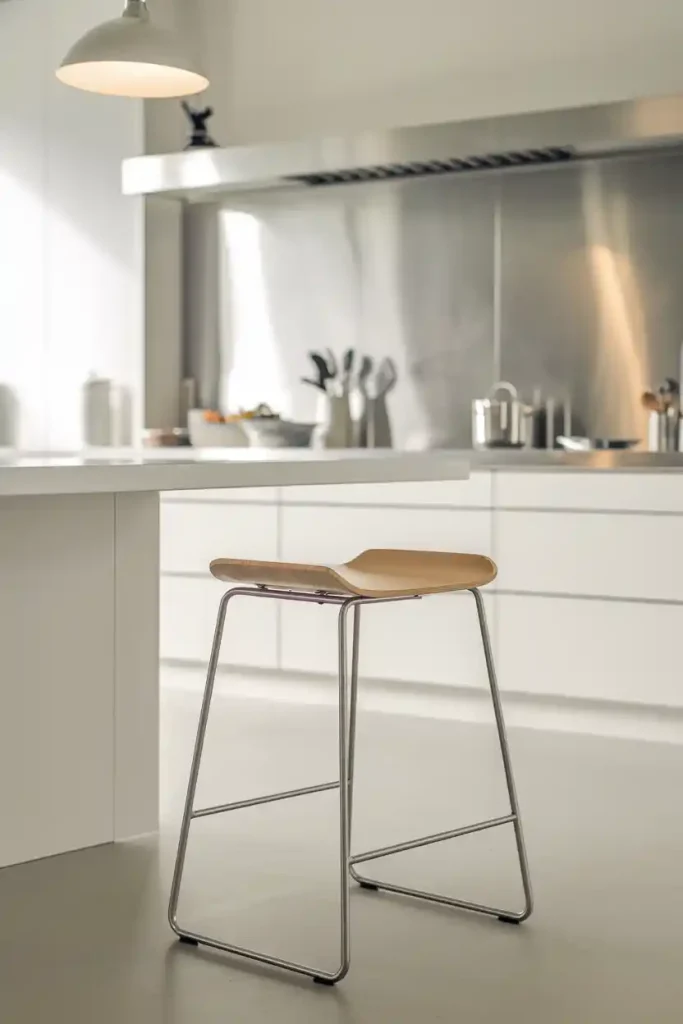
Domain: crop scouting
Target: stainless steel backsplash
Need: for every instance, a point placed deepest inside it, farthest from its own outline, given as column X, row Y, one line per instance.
column 567, row 279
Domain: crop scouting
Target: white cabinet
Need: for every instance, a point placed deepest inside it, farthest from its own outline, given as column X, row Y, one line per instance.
column 434, row 640
column 608, row 546
column 335, row 533
column 594, row 650
column 192, row 534
column 472, row 493
column 601, row 491
column 600, row 554
column 229, row 495
column 188, row 617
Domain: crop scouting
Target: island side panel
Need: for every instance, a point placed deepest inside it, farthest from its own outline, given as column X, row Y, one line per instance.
column 56, row 674
column 136, row 757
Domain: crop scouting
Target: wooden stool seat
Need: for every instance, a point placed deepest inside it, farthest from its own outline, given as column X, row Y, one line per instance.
column 379, row 572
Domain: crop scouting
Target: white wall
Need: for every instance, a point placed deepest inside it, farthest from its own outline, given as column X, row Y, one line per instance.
column 71, row 247
column 295, row 67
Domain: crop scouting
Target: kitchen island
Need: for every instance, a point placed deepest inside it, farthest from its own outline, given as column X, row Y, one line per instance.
column 79, row 626
column 587, row 604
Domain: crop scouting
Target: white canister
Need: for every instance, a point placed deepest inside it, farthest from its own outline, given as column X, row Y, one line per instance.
column 100, row 412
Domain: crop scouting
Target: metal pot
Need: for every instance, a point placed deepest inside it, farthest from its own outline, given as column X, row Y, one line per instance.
column 499, row 422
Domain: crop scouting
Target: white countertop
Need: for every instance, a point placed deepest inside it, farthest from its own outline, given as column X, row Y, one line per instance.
column 188, row 469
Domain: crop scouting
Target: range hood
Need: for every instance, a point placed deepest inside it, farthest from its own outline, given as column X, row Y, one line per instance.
column 478, row 146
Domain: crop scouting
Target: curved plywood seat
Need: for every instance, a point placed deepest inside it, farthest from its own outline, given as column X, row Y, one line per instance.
column 379, row 572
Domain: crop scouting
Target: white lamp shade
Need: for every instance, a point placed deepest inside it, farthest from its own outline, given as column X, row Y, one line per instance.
column 131, row 56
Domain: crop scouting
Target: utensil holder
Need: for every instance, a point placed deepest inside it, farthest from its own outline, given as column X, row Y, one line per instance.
column 335, row 426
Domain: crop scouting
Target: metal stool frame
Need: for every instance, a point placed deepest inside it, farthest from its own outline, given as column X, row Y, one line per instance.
column 348, row 700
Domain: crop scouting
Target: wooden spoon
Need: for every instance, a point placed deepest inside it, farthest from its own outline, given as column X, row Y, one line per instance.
column 652, row 402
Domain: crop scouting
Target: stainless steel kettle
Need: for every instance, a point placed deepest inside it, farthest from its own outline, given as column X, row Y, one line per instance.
column 500, row 422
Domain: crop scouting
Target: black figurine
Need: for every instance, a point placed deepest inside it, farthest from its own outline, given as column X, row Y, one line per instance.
column 200, row 137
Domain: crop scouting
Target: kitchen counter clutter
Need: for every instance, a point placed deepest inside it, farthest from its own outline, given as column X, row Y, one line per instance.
column 79, row 620
column 590, row 585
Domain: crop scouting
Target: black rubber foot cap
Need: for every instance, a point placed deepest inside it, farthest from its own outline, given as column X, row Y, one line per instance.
column 324, row 981
column 369, row 886
column 508, row 920
column 188, row 941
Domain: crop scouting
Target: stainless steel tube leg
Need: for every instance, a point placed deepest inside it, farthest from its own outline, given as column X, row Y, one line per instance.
column 507, row 763
column 513, row 818
column 353, row 706
column 196, row 761
column 345, row 779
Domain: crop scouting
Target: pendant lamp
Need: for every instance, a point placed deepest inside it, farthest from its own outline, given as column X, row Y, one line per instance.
column 132, row 56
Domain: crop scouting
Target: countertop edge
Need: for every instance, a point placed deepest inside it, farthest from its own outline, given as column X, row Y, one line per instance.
column 63, row 476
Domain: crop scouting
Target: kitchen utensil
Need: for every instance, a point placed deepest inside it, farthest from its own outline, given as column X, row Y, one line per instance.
column 366, row 367
column 500, row 422
column 567, row 417
column 588, row 444
column 331, row 361
column 314, row 383
column 325, row 372
column 348, row 361
column 385, row 378
column 536, row 421
column 358, row 404
column 550, row 425
column 379, row 433
column 652, row 402
column 670, row 387
column 379, row 425
column 614, row 443
column 664, row 429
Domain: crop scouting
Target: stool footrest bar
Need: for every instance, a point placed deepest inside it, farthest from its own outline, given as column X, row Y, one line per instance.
column 437, row 837
column 262, row 958
column 269, row 799
column 447, row 901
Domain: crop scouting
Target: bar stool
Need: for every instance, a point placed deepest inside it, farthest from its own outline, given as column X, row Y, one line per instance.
column 374, row 577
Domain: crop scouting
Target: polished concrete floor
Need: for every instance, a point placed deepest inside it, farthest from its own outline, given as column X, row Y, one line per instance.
column 83, row 937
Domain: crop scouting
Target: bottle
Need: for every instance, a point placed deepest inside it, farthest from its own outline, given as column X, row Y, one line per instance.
column 100, row 411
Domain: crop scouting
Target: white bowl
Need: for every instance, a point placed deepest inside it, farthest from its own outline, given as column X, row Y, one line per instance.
column 204, row 434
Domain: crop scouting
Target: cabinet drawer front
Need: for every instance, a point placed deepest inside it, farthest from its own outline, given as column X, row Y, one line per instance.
column 622, row 492
column 435, row 640
column 333, row 534
column 188, row 617
column 600, row 650
column 590, row 553
column 193, row 534
column 252, row 495
column 475, row 492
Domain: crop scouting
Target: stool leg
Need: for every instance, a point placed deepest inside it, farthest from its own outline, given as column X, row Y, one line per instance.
column 513, row 818
column 507, row 762
column 196, row 762
column 353, row 706
column 344, row 785
column 347, row 715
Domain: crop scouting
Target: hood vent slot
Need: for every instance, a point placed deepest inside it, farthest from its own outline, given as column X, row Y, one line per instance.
column 430, row 168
